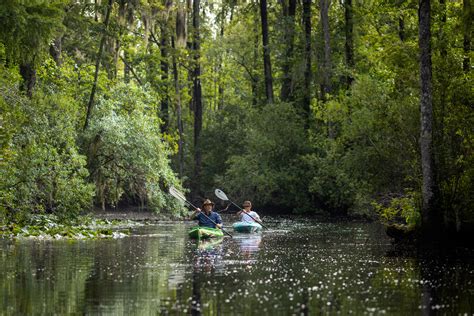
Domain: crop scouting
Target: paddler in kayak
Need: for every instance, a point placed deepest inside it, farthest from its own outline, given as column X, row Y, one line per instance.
column 247, row 215
column 207, row 206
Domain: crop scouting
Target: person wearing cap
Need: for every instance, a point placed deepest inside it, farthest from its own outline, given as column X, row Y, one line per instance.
column 206, row 216
column 247, row 215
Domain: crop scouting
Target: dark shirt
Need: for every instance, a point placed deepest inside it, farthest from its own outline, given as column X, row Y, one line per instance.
column 204, row 221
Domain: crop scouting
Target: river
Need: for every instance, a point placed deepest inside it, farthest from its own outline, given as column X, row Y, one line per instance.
column 299, row 266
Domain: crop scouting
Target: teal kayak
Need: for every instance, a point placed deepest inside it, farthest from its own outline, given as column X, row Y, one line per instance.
column 247, row 227
column 201, row 232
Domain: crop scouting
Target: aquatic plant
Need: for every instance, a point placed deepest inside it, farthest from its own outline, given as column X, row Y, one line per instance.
column 83, row 227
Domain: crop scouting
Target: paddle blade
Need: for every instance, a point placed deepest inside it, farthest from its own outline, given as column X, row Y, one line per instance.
column 221, row 195
column 177, row 194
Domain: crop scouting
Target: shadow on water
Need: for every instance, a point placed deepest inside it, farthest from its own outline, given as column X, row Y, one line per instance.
column 296, row 267
column 444, row 274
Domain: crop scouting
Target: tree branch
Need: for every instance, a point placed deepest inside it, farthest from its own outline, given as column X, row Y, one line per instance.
column 131, row 69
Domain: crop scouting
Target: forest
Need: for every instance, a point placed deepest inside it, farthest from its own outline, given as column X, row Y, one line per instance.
column 349, row 108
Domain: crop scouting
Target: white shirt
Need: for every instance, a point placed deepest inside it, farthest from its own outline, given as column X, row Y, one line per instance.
column 244, row 217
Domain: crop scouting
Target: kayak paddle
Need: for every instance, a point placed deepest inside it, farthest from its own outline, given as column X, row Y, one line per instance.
column 180, row 196
column 221, row 195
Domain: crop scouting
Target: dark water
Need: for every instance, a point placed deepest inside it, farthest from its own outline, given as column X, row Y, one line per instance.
column 296, row 267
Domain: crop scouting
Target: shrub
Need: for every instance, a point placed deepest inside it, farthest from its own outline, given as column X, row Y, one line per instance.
column 400, row 210
column 42, row 170
column 127, row 158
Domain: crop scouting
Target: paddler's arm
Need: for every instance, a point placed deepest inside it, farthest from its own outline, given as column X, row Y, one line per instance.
column 257, row 217
column 218, row 221
column 195, row 214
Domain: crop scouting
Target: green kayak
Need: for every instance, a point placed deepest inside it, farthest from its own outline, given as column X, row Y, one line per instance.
column 200, row 232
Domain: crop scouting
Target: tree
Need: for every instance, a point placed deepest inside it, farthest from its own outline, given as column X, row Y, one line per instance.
column 26, row 31
column 326, row 61
column 349, row 44
column 267, row 65
column 164, row 76
column 97, row 63
column 164, row 64
column 179, row 115
column 430, row 213
column 467, row 31
column 197, row 98
column 289, row 35
column 307, row 60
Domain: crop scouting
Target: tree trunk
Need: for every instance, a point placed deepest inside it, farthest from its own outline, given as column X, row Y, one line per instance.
column 28, row 73
column 401, row 20
column 289, row 35
column 126, row 68
column 181, row 26
column 326, row 75
column 178, row 114
column 254, row 79
column 96, row 10
column 114, row 66
column 197, row 100
column 401, row 28
column 307, row 58
column 220, row 92
column 267, row 66
column 444, row 80
column 97, row 63
column 430, row 216
column 442, row 35
column 349, row 45
column 400, row 84
column 326, row 64
column 164, row 78
column 467, row 22
column 125, row 10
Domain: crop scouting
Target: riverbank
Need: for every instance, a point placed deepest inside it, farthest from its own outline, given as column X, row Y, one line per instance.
column 140, row 216
column 135, row 214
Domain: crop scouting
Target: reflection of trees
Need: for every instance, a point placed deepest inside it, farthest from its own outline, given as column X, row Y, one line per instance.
column 126, row 276
column 424, row 281
column 350, row 269
column 446, row 280
column 397, row 278
column 132, row 275
column 196, row 298
column 43, row 277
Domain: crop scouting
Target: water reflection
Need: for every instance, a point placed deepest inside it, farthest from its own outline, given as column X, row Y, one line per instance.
column 298, row 267
column 208, row 255
column 249, row 245
column 196, row 298
column 207, row 261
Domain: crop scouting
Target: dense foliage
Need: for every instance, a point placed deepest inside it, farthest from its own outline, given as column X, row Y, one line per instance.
column 178, row 95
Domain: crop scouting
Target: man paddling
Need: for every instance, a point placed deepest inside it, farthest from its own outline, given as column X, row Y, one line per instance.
column 247, row 215
column 207, row 206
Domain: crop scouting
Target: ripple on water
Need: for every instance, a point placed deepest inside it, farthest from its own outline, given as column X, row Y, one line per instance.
column 294, row 267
